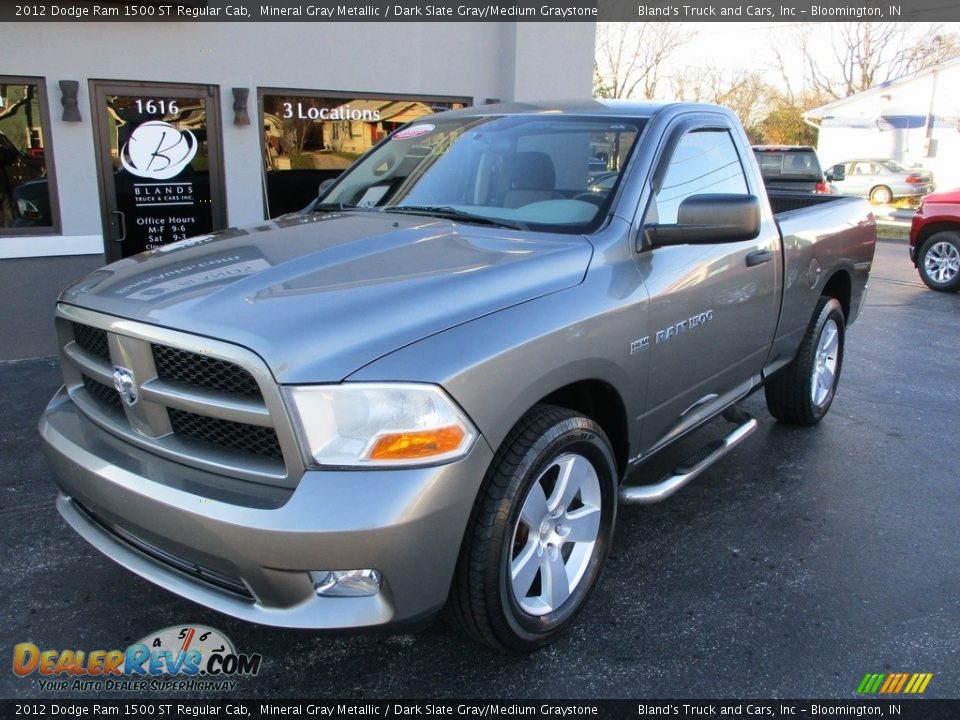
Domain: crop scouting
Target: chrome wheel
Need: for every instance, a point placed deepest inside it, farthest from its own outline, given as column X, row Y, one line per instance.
column 942, row 262
column 555, row 535
column 825, row 364
column 881, row 196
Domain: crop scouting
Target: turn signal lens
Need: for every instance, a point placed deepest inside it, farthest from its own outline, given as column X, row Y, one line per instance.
column 416, row 445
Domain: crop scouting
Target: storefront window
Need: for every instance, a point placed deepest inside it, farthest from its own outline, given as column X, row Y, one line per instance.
column 25, row 190
column 312, row 137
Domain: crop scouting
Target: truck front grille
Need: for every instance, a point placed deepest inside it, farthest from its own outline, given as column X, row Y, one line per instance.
column 102, row 394
column 200, row 402
column 93, row 340
column 226, row 433
column 203, row 371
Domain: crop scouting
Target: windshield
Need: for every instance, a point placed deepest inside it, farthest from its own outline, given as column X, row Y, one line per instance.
column 524, row 171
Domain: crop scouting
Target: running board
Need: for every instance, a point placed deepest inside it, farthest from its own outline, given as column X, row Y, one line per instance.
column 692, row 466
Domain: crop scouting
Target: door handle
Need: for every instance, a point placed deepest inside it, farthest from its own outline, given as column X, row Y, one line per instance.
column 759, row 257
column 122, row 224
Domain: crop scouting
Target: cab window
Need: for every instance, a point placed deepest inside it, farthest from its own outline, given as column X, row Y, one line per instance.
column 704, row 162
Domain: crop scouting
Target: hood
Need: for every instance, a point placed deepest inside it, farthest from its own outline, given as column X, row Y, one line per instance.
column 947, row 196
column 318, row 297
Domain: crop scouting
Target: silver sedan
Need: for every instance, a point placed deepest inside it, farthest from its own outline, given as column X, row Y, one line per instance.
column 880, row 180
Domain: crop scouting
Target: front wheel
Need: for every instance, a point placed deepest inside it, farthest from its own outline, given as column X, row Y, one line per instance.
column 939, row 261
column 539, row 532
column 801, row 393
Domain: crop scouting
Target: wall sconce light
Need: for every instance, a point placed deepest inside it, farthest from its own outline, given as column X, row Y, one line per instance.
column 240, row 115
column 68, row 98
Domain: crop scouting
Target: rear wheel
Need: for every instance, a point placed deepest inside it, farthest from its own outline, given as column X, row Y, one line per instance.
column 939, row 261
column 539, row 532
column 881, row 195
column 801, row 393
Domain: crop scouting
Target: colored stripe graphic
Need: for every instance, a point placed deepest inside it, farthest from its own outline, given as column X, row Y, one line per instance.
column 894, row 683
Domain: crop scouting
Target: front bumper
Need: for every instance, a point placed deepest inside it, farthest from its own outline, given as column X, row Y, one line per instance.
column 246, row 549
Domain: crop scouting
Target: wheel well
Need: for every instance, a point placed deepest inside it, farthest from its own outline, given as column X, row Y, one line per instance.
column 600, row 402
column 839, row 288
column 935, row 227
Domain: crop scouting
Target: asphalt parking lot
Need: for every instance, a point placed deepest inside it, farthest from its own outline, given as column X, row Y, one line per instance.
column 802, row 561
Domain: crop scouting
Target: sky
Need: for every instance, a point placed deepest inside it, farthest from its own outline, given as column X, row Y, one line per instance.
column 749, row 45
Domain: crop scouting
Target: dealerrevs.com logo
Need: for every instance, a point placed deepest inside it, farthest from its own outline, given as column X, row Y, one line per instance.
column 181, row 657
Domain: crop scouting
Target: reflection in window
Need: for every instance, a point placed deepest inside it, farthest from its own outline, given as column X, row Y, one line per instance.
column 24, row 192
column 705, row 161
column 310, row 138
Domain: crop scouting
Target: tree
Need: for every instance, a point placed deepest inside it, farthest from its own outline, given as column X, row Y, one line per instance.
column 864, row 54
column 630, row 56
column 784, row 124
column 743, row 91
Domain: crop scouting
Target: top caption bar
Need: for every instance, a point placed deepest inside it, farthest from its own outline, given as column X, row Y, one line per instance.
column 477, row 10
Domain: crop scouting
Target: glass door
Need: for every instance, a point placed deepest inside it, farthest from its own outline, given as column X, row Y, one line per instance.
column 159, row 163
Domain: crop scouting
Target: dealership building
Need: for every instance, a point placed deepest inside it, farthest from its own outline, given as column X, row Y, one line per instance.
column 121, row 137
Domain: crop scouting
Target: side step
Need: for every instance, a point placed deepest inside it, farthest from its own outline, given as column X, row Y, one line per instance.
column 693, row 465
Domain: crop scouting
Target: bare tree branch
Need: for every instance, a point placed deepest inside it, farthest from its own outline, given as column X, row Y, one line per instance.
column 865, row 54
column 630, row 57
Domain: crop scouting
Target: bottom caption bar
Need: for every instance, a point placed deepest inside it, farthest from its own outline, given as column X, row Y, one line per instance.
column 918, row 709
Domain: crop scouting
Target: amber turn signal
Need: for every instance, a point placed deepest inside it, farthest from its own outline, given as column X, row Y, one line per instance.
column 417, row 445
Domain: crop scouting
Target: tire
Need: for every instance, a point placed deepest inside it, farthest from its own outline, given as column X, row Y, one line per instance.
column 881, row 195
column 939, row 261
column 801, row 393
column 520, row 580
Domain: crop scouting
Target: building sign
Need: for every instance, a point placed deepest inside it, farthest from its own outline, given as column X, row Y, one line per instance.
column 309, row 138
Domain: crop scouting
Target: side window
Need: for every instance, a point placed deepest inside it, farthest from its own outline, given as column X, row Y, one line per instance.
column 704, row 161
column 25, row 184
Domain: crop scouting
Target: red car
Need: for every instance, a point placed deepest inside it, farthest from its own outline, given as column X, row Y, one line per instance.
column 935, row 241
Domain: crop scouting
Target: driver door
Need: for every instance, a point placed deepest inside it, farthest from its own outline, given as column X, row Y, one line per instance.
column 713, row 306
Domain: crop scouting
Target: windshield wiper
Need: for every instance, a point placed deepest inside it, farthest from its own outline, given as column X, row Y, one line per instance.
column 333, row 207
column 451, row 213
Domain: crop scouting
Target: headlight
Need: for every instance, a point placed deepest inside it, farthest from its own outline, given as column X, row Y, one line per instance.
column 387, row 424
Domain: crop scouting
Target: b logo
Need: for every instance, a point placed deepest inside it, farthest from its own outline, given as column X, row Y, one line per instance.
column 157, row 150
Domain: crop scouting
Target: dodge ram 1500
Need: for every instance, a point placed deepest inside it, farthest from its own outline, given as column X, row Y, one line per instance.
column 433, row 387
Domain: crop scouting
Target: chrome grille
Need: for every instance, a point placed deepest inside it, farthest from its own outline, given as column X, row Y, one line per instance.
column 197, row 401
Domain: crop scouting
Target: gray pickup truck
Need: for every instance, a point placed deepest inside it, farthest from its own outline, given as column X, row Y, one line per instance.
column 433, row 387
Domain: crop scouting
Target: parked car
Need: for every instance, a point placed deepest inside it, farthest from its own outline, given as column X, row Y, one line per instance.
column 16, row 165
column 935, row 241
column 880, row 180
column 794, row 168
column 435, row 386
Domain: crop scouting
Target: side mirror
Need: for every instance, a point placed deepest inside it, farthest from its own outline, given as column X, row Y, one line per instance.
column 836, row 174
column 710, row 218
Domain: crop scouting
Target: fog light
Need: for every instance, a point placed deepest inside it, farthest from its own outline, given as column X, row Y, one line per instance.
column 346, row 583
